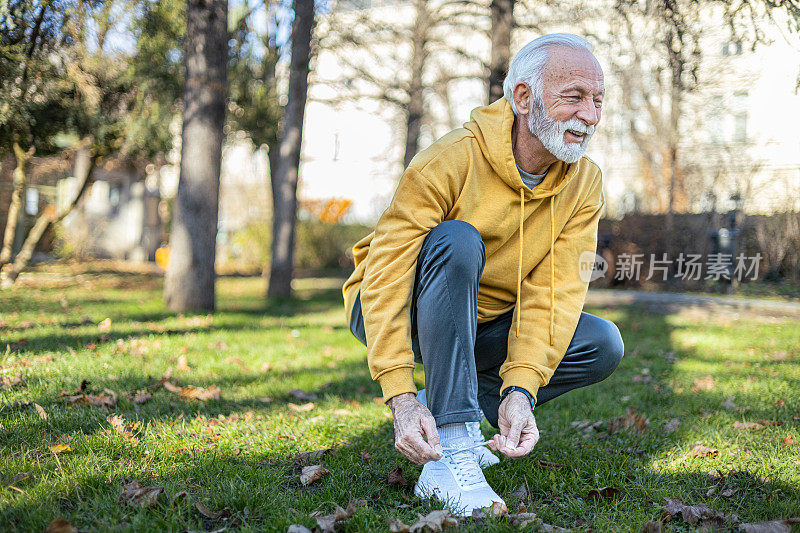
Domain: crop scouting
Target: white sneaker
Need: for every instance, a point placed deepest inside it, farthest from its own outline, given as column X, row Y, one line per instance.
column 456, row 479
column 485, row 456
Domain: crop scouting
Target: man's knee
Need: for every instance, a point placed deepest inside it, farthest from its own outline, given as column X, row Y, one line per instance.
column 461, row 242
column 610, row 348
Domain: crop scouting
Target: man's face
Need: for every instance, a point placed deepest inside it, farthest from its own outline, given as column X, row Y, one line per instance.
column 572, row 95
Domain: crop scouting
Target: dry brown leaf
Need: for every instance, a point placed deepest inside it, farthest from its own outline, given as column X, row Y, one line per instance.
column 398, row 526
column 124, row 428
column 136, row 495
column 175, row 389
column 301, row 408
column 141, row 396
column 95, row 400
column 60, row 525
column 699, row 514
column 40, row 411
column 672, row 425
column 266, row 367
column 747, row 425
column 771, row 422
column 521, row 520
column 365, row 457
column 297, row 528
column 312, row 473
column 307, row 458
column 729, row 404
column 495, row 510
column 788, row 440
column 183, row 364
column 606, row 493
column 395, row 477
column 700, row 450
column 60, row 448
column 549, row 464
column 632, row 421
column 706, row 383
column 105, row 325
column 190, row 392
column 773, row 526
column 303, row 396
column 208, row 513
column 328, row 523
column 434, row 521
column 9, row 382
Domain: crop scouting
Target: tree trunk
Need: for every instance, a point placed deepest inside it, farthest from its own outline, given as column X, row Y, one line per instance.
column 20, row 176
column 284, row 181
column 84, row 166
column 189, row 283
column 416, row 97
column 502, row 24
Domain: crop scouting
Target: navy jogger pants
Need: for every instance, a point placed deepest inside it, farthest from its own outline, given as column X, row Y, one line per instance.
column 462, row 358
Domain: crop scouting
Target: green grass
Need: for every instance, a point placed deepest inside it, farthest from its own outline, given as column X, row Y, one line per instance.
column 243, row 465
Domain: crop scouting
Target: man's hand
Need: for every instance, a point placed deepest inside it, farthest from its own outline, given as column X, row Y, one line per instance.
column 412, row 420
column 518, row 431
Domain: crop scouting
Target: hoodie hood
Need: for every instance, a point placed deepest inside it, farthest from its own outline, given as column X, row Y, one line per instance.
column 491, row 125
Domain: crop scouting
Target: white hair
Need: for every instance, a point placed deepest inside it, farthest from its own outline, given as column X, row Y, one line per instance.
column 528, row 65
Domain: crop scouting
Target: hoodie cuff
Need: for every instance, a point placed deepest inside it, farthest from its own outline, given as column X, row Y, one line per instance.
column 522, row 377
column 397, row 381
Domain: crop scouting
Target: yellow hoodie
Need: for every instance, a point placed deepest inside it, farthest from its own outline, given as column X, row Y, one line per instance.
column 533, row 239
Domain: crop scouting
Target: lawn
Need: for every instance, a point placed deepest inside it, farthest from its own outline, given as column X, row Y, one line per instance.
column 229, row 458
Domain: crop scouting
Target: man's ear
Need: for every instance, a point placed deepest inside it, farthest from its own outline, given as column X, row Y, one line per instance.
column 522, row 98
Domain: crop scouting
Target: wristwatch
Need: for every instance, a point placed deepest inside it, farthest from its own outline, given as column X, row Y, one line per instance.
column 507, row 390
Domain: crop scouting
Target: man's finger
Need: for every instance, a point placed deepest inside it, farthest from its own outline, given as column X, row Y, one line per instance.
column 429, row 427
column 422, row 450
column 513, row 434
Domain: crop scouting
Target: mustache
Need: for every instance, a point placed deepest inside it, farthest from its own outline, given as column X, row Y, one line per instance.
column 575, row 125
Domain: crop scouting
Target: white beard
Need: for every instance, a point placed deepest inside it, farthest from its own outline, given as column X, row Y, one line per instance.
column 551, row 133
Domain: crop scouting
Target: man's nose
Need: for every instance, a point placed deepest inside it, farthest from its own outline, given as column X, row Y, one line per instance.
column 588, row 114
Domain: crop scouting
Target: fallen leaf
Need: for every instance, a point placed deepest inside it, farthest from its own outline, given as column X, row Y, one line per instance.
column 190, row 392
column 747, row 425
column 183, row 364
column 706, row 383
column 95, row 400
column 521, row 520
column 122, row 427
column 395, row 477
column 365, row 457
column 549, row 464
column 434, row 521
column 773, row 526
column 328, row 523
column 9, row 382
column 208, row 513
column 60, row 448
column 312, row 473
column 135, row 495
column 771, row 422
column 632, row 421
column 60, row 525
column 780, row 403
column 266, row 367
column 141, row 396
column 105, row 325
column 729, row 405
column 297, row 528
column 699, row 514
column 788, row 439
column 727, row 493
column 700, row 450
column 672, row 425
column 40, row 411
column 307, row 458
column 301, row 408
column 303, row 396
column 495, row 510
column 607, row 493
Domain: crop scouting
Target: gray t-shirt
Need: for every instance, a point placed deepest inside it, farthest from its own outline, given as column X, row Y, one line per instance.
column 531, row 180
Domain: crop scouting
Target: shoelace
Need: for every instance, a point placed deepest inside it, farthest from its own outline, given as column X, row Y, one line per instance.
column 466, row 463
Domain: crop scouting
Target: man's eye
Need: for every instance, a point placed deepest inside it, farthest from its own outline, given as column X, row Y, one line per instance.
column 598, row 104
column 573, row 98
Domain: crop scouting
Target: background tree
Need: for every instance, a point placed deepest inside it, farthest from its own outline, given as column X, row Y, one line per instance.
column 284, row 181
column 190, row 278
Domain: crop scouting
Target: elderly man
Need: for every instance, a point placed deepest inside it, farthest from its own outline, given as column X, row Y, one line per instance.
column 473, row 270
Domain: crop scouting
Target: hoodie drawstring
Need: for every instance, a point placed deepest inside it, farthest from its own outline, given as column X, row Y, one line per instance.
column 552, row 262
